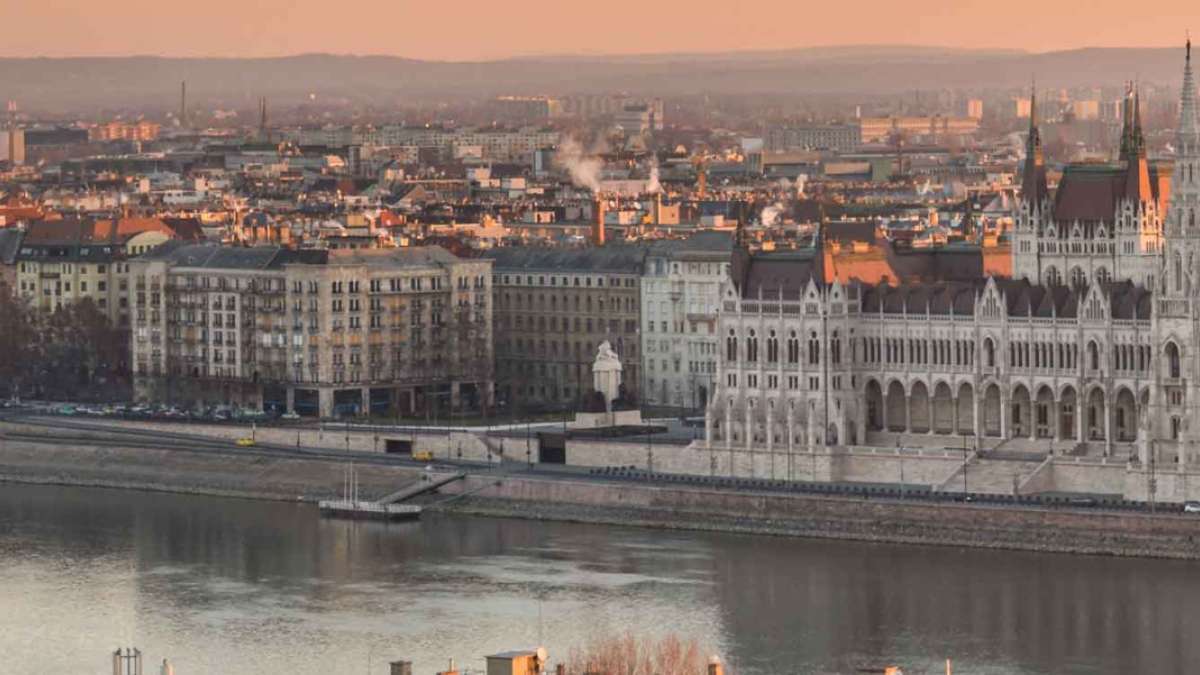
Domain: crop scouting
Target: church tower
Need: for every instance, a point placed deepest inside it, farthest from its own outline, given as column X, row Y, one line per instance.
column 1033, row 203
column 1175, row 398
column 1182, row 245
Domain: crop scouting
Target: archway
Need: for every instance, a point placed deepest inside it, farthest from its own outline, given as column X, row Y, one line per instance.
column 1172, row 361
column 1043, row 415
column 991, row 410
column 966, row 409
column 1125, row 416
column 1095, row 415
column 1020, row 422
column 1067, row 405
column 875, row 409
column 943, row 409
column 920, row 408
column 897, row 408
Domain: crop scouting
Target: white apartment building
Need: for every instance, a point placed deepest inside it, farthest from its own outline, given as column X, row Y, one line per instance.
column 681, row 286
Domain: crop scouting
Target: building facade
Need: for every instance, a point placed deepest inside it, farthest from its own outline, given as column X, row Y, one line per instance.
column 554, row 307
column 60, row 262
column 1103, row 222
column 322, row 333
column 1106, row 368
column 681, row 289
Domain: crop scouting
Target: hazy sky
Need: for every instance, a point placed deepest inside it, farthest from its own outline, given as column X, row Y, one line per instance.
column 482, row 29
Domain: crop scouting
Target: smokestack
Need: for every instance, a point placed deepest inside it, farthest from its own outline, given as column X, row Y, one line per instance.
column 183, row 118
column 598, row 221
column 714, row 666
column 401, row 668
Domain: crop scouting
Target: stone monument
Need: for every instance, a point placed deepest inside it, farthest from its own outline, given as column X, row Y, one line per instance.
column 606, row 374
column 606, row 385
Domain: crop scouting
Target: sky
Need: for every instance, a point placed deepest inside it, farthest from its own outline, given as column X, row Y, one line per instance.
column 488, row 29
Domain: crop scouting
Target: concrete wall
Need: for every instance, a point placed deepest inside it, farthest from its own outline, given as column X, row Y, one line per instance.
column 1062, row 530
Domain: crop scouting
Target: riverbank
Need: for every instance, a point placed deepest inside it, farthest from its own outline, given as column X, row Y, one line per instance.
column 654, row 506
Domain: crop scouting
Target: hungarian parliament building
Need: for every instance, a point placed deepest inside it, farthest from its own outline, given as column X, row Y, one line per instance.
column 1092, row 348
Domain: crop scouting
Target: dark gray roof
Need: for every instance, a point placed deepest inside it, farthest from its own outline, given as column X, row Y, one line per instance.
column 618, row 258
column 215, row 256
column 704, row 241
column 10, row 244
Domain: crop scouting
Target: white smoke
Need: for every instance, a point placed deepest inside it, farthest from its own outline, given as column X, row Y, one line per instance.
column 584, row 168
column 801, row 181
column 653, row 186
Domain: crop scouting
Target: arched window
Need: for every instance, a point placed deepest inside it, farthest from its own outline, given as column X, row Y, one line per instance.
column 752, row 347
column 1172, row 361
column 814, row 348
column 1078, row 278
column 1178, row 272
column 1102, row 275
column 731, row 349
column 835, row 349
column 989, row 353
column 772, row 348
column 1053, row 277
column 793, row 348
column 1093, row 356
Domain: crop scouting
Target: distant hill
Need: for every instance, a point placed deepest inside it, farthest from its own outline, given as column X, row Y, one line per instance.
column 147, row 80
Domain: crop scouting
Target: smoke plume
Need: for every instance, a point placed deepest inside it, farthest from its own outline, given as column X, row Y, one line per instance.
column 583, row 168
column 652, row 184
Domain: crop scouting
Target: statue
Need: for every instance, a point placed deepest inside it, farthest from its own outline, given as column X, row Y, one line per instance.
column 606, row 374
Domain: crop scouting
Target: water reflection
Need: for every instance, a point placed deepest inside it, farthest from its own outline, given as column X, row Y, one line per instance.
column 231, row 586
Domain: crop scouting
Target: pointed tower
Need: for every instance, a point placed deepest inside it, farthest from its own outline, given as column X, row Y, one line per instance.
column 1133, row 154
column 1033, row 178
column 1174, row 316
column 1182, row 231
column 1032, row 206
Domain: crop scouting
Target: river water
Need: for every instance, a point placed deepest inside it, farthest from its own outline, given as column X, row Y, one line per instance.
column 225, row 586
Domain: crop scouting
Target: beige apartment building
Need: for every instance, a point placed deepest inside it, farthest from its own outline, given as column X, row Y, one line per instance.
column 322, row 333
column 60, row 262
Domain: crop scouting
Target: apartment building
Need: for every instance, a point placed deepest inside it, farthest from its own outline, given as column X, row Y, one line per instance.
column 64, row 261
column 681, row 293
column 554, row 306
column 319, row 332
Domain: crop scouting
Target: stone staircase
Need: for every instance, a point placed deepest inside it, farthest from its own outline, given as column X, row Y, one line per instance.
column 992, row 476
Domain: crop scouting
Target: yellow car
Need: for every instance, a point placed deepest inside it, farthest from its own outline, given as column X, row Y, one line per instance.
column 423, row 456
column 245, row 442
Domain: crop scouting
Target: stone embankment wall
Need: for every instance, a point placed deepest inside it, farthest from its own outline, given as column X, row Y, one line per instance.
column 516, row 494
column 227, row 474
column 892, row 521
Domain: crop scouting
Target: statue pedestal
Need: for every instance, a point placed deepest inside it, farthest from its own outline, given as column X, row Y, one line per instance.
column 585, row 420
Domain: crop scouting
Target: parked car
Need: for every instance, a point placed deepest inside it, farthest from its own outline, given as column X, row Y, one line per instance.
column 245, row 442
column 1191, row 507
column 423, row 455
column 292, row 416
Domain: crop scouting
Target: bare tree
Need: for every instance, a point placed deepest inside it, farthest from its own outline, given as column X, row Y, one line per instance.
column 630, row 655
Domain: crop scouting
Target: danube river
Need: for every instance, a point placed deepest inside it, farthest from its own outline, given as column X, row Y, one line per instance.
column 224, row 586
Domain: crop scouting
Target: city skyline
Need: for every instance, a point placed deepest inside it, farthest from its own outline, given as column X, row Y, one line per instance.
column 54, row 29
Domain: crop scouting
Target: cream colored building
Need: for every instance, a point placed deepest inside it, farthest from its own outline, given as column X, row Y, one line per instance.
column 66, row 261
column 390, row 331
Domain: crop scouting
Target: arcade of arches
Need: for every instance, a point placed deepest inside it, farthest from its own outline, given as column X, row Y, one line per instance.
column 1022, row 411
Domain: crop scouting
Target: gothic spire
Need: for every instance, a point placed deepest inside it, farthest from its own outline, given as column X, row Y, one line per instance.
column 1187, row 132
column 1033, row 179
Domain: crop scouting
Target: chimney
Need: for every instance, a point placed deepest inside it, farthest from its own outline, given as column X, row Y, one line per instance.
column 714, row 666
column 560, row 669
column 598, row 221
column 401, row 668
column 451, row 670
